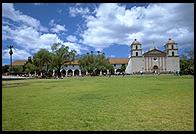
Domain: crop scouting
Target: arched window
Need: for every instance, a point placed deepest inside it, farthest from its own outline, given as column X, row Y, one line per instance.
column 172, row 47
column 155, row 67
column 136, row 53
column 172, row 53
column 136, row 47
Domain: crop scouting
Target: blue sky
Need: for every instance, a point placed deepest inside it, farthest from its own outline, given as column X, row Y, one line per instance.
column 106, row 27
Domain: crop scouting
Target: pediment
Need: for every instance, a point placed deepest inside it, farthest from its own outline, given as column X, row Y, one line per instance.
column 155, row 52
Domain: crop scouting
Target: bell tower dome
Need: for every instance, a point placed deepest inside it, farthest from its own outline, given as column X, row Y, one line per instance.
column 136, row 49
column 171, row 48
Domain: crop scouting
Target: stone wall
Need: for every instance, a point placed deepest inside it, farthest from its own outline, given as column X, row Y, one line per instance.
column 173, row 64
column 136, row 64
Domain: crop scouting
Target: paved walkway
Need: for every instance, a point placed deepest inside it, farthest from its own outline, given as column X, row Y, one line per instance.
column 15, row 77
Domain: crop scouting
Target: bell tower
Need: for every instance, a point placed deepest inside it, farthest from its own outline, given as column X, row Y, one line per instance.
column 136, row 49
column 171, row 48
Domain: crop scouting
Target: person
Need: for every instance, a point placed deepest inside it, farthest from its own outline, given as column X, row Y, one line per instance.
column 141, row 72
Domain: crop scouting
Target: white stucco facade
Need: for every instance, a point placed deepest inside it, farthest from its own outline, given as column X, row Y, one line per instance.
column 153, row 60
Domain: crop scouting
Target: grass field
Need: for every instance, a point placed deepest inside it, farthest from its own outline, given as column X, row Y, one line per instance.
column 99, row 103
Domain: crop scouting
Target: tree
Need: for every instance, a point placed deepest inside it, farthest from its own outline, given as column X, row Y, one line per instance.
column 18, row 69
column 30, row 68
column 94, row 63
column 45, row 60
column 187, row 62
column 42, row 60
column 61, row 55
column 123, row 67
column 5, row 69
column 11, row 53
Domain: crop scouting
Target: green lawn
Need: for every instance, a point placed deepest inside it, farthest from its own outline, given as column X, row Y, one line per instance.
column 99, row 103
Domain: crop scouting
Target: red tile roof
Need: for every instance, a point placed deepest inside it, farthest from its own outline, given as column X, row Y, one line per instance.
column 19, row 62
column 119, row 60
column 111, row 60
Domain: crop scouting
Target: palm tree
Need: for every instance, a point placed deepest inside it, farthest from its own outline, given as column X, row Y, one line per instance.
column 11, row 53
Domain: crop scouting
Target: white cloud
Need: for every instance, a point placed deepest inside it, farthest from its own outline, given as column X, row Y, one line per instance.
column 9, row 12
column 51, row 23
column 56, row 28
column 71, row 38
column 26, row 37
column 29, row 38
column 73, row 11
column 17, row 54
column 156, row 22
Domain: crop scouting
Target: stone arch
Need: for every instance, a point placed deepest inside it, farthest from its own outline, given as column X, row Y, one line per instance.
column 70, row 72
column 63, row 72
column 172, row 53
column 104, row 72
column 155, row 68
column 136, row 53
column 76, row 72
column 118, row 71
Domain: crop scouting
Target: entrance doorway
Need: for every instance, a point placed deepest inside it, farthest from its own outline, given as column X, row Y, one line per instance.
column 155, row 69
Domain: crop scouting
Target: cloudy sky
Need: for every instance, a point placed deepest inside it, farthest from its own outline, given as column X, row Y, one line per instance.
column 107, row 27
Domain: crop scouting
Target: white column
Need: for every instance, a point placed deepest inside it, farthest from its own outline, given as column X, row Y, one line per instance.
column 159, row 63
column 73, row 72
column 108, row 71
column 163, row 64
column 100, row 72
column 115, row 71
column 35, row 73
column 53, row 73
column 61, row 73
column 148, row 65
column 80, row 73
column 165, row 69
column 86, row 72
column 41, row 73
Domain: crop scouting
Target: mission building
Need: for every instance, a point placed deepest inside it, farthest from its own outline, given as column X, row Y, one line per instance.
column 154, row 60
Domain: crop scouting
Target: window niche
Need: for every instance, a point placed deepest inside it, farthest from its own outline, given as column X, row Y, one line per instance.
column 172, row 53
